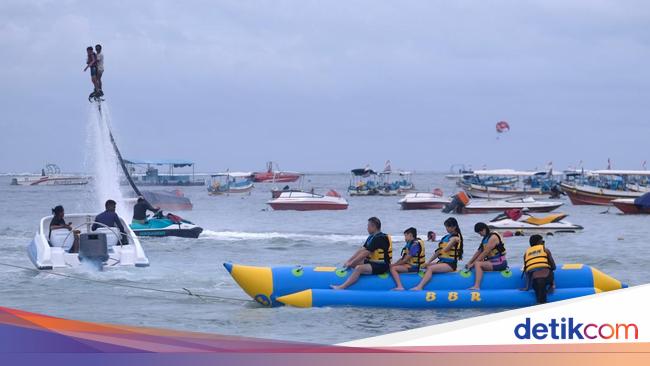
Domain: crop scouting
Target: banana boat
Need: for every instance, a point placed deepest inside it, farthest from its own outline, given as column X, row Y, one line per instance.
column 310, row 286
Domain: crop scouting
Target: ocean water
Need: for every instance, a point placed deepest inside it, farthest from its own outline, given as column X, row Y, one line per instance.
column 241, row 229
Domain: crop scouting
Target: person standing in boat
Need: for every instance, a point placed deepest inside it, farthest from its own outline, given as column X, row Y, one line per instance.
column 412, row 259
column 100, row 68
column 58, row 223
column 539, row 267
column 373, row 257
column 110, row 218
column 490, row 255
column 140, row 211
column 91, row 63
column 449, row 252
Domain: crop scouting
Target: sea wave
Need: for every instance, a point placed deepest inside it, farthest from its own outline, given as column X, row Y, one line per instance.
column 240, row 235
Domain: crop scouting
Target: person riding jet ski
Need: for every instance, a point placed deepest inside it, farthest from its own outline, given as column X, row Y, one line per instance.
column 140, row 211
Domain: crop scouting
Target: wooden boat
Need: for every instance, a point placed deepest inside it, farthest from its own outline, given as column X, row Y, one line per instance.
column 640, row 205
column 601, row 187
column 230, row 182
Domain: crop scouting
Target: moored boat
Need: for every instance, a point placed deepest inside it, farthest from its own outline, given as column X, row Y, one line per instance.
column 230, row 182
column 423, row 201
column 276, row 175
column 631, row 206
column 305, row 201
column 461, row 203
column 363, row 183
column 601, row 187
column 50, row 176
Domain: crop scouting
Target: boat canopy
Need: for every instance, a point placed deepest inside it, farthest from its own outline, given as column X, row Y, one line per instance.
column 643, row 201
column 173, row 162
column 234, row 174
column 508, row 173
column 621, row 172
column 363, row 172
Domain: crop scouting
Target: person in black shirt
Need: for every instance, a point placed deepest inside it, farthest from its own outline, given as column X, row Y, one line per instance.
column 58, row 222
column 140, row 211
column 373, row 257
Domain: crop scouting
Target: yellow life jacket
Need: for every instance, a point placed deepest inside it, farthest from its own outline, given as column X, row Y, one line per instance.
column 454, row 254
column 499, row 250
column 536, row 258
column 415, row 260
column 379, row 256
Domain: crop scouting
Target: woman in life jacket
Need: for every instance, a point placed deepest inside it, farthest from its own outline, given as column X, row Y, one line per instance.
column 412, row 257
column 373, row 257
column 448, row 253
column 490, row 255
column 539, row 267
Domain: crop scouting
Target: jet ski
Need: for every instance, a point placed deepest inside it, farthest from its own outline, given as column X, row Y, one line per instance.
column 522, row 223
column 166, row 225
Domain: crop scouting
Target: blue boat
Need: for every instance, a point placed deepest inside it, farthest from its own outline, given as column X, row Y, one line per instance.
column 230, row 182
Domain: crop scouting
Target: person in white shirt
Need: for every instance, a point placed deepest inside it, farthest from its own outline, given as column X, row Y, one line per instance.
column 100, row 68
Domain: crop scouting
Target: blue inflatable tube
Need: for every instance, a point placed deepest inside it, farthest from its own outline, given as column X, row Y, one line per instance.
column 269, row 286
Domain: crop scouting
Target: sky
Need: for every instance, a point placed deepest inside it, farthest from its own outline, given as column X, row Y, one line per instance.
column 330, row 86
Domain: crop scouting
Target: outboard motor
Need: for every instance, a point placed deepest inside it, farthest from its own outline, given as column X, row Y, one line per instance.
column 457, row 203
column 93, row 249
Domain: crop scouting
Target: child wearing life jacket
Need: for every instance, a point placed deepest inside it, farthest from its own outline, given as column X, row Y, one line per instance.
column 449, row 252
column 538, row 269
column 412, row 257
column 373, row 257
column 490, row 255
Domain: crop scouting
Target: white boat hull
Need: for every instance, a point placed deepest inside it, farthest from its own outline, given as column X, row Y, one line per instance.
column 44, row 255
column 50, row 181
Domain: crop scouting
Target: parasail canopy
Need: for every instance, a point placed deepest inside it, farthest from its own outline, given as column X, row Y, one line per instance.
column 502, row 126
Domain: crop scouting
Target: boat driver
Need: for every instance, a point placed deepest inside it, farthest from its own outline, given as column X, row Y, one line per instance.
column 140, row 211
column 373, row 257
column 110, row 218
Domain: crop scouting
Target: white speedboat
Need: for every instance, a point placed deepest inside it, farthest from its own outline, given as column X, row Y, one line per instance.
column 104, row 246
column 462, row 204
column 305, row 201
column 527, row 224
column 50, row 176
column 423, row 201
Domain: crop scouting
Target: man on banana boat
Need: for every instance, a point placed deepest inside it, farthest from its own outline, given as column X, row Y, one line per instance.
column 539, row 267
column 449, row 252
column 412, row 257
column 490, row 255
column 431, row 236
column 373, row 257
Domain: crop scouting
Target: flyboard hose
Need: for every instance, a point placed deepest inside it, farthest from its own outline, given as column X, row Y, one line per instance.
column 118, row 154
